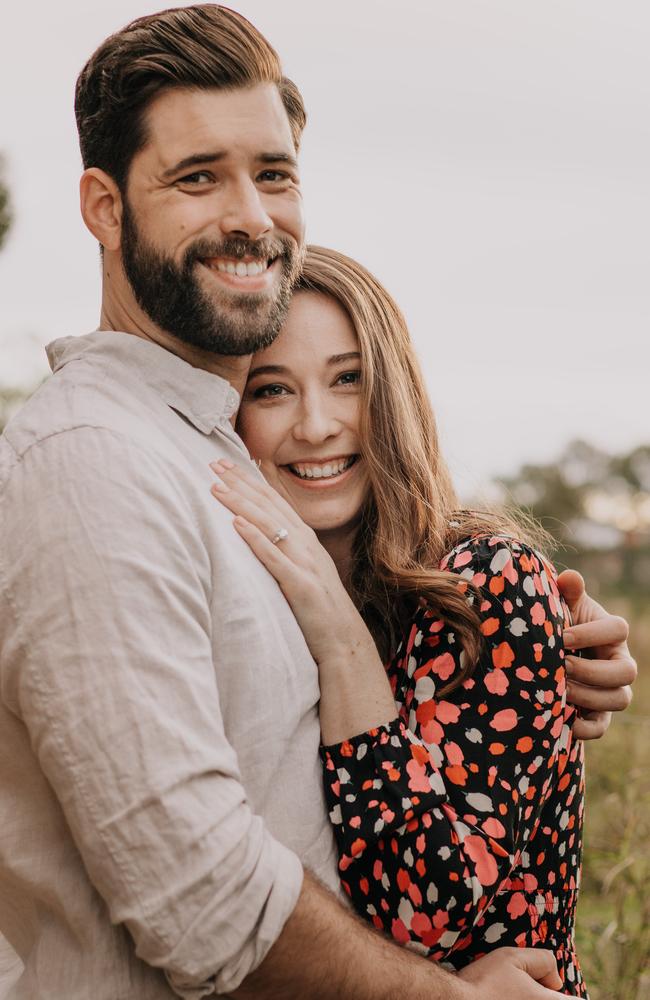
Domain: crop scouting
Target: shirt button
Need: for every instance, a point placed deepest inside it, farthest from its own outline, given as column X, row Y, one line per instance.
column 231, row 403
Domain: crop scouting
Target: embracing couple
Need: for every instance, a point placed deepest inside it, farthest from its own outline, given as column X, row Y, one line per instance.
column 242, row 700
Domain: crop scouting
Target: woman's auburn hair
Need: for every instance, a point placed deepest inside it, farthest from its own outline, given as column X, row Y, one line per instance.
column 411, row 519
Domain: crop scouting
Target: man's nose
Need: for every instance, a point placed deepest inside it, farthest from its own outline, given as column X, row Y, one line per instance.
column 245, row 214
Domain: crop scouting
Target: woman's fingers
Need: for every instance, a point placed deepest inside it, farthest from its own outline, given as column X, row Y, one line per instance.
column 270, row 555
column 256, row 489
column 265, row 518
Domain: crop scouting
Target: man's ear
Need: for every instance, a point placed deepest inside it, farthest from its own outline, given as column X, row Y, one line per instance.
column 101, row 207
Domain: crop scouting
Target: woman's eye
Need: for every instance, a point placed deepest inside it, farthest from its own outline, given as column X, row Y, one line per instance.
column 349, row 378
column 269, row 391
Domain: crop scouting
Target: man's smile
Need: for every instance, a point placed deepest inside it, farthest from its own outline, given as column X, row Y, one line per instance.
column 247, row 274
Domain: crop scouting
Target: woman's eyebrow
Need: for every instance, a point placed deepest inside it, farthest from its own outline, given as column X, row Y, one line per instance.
column 268, row 370
column 335, row 359
column 338, row 359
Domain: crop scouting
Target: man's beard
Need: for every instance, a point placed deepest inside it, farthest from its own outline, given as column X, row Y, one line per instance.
column 173, row 298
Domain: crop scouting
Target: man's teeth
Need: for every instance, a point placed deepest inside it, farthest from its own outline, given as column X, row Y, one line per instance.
column 323, row 471
column 243, row 269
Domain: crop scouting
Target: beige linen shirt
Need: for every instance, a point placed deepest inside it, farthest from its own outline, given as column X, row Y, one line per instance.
column 160, row 785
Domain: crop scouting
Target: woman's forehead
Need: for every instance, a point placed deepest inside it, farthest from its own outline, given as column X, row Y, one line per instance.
column 316, row 325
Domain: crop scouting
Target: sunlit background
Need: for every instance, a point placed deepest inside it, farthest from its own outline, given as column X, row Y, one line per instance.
column 488, row 161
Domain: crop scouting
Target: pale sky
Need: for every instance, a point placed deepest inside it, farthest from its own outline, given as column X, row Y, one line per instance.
column 489, row 161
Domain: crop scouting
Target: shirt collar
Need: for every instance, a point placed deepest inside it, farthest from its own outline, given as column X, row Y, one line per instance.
column 206, row 400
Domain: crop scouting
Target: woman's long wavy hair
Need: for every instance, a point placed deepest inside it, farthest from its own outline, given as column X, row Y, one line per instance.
column 411, row 518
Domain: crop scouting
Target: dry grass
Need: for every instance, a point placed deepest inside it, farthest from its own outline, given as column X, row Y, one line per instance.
column 613, row 926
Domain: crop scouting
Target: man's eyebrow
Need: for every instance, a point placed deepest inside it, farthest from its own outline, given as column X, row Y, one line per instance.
column 193, row 161
column 287, row 158
column 201, row 159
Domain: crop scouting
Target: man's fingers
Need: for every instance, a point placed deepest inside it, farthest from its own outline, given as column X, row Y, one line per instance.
column 591, row 725
column 613, row 673
column 541, row 966
column 571, row 585
column 599, row 699
column 608, row 631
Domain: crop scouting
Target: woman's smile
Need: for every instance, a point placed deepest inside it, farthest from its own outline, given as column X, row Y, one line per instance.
column 322, row 473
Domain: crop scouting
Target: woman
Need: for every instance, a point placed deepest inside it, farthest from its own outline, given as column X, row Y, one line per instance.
column 453, row 779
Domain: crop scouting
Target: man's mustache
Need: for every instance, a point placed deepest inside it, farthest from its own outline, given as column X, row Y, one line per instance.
column 237, row 249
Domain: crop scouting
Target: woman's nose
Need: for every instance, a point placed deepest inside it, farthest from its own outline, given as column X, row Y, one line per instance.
column 317, row 423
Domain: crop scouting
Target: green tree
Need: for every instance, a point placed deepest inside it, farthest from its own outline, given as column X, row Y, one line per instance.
column 5, row 210
column 597, row 506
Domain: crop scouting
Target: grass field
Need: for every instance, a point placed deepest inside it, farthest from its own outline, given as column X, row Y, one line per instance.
column 613, row 925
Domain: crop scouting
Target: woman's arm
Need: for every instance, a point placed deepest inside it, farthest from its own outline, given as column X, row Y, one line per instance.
column 497, row 747
column 355, row 692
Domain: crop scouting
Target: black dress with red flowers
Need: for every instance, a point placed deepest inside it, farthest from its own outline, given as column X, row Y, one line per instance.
column 459, row 825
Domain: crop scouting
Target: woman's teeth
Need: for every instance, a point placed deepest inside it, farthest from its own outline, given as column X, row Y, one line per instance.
column 244, row 269
column 326, row 471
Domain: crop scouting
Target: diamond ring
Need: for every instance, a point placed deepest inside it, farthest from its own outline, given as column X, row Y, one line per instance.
column 280, row 535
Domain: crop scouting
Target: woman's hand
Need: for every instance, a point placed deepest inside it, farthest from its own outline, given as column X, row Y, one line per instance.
column 355, row 693
column 599, row 683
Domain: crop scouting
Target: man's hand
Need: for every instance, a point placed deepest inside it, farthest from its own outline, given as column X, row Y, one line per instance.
column 600, row 684
column 514, row 974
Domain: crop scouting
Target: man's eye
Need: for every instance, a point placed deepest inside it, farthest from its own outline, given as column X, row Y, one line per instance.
column 269, row 391
column 349, row 378
column 272, row 175
column 198, row 179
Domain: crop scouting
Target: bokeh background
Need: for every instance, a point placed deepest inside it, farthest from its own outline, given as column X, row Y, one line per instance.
column 490, row 162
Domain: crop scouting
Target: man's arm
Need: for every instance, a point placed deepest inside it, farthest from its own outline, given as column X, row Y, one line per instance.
column 599, row 683
column 107, row 658
column 325, row 951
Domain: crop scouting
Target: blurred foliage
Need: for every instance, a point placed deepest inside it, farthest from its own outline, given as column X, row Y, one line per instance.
column 5, row 209
column 11, row 398
column 597, row 506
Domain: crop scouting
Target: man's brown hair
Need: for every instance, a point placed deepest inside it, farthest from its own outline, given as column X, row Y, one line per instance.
column 201, row 47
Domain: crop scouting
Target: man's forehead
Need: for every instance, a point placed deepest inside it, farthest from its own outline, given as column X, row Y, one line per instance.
column 182, row 122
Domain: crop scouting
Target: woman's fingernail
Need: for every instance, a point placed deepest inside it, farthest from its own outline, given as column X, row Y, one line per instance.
column 226, row 464
column 569, row 637
column 220, row 488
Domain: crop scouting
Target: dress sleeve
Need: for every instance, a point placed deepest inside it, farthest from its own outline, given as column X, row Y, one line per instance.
column 432, row 812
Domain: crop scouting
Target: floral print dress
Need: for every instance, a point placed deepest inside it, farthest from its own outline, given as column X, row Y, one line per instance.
column 459, row 825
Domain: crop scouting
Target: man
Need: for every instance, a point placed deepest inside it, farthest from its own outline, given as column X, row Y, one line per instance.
column 167, row 818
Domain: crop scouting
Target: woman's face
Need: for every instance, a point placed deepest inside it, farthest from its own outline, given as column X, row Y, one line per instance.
column 300, row 413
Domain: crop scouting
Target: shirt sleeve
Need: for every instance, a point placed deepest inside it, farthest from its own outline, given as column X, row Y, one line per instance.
column 107, row 657
column 491, row 751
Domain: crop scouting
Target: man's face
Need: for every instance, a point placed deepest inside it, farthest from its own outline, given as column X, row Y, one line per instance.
column 212, row 227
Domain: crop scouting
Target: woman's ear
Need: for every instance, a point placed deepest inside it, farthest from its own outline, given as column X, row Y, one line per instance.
column 101, row 207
